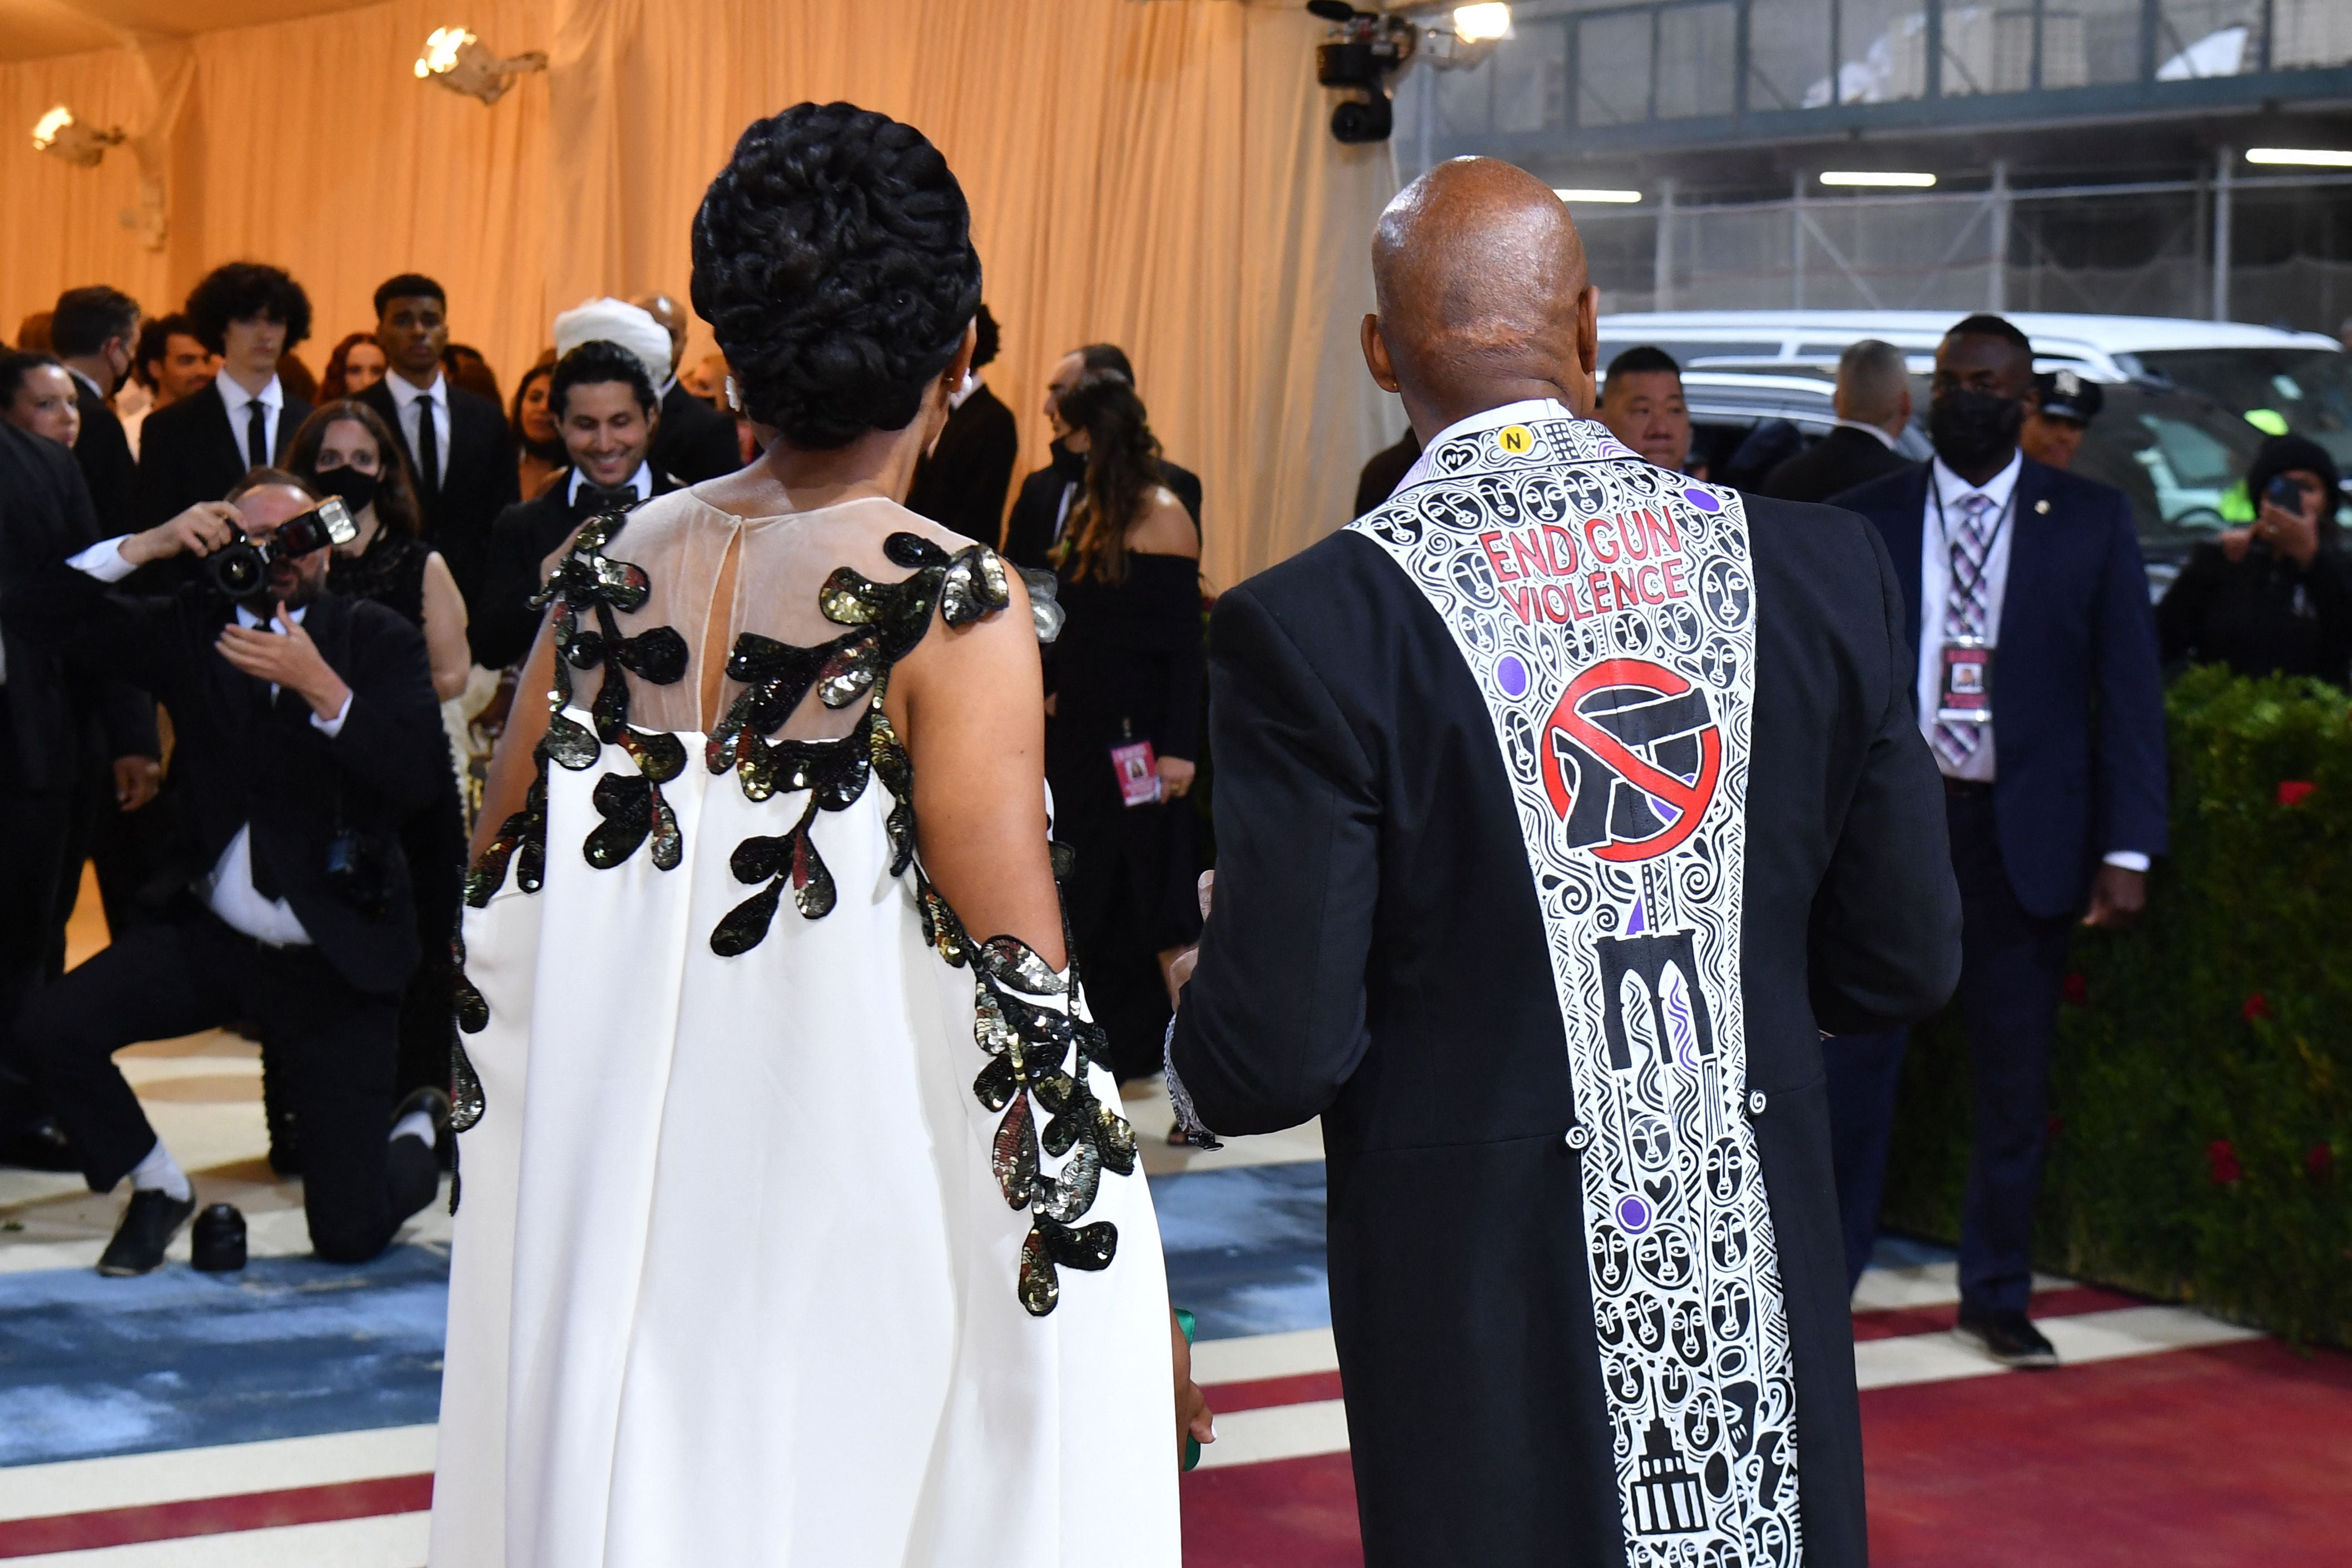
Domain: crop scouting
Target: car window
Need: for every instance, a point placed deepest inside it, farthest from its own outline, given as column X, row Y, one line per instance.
column 2305, row 390
column 2180, row 459
column 1686, row 353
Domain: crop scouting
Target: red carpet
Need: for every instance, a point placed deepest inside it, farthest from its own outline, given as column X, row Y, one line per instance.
column 2235, row 1456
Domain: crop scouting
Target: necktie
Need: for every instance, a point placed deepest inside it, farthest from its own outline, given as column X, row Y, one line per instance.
column 1965, row 612
column 257, row 434
column 428, row 451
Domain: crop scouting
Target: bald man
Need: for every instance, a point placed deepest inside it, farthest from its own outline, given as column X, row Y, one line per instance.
column 693, row 440
column 1562, row 802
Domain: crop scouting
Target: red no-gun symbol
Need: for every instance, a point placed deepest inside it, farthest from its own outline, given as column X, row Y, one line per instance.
column 1631, row 759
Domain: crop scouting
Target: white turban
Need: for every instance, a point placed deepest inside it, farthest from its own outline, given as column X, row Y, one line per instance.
column 616, row 321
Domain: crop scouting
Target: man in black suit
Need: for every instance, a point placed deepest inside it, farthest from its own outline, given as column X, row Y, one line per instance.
column 456, row 441
column 604, row 409
column 193, row 451
column 696, row 442
column 1046, row 496
column 306, row 731
column 49, row 713
column 961, row 482
column 1873, row 402
column 1508, row 909
column 2027, row 626
column 1386, row 469
column 94, row 332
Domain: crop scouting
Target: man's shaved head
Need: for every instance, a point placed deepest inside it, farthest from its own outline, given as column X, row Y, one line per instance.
column 1484, row 296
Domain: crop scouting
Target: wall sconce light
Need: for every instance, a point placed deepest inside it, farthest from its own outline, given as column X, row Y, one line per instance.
column 58, row 133
column 457, row 59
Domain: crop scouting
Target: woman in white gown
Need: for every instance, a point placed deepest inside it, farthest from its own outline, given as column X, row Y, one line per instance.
column 799, row 1225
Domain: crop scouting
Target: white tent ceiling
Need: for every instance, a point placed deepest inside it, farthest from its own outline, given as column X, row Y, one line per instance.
column 35, row 29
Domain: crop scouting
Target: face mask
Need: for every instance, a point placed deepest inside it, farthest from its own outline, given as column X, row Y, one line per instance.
column 357, row 489
column 1973, row 428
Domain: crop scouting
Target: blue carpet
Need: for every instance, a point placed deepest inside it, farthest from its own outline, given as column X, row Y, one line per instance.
column 290, row 1347
column 1244, row 1247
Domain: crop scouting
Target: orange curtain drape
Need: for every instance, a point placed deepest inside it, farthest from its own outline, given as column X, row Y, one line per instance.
column 1154, row 175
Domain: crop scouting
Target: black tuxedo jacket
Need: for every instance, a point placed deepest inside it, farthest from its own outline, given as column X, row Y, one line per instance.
column 525, row 535
column 1384, row 470
column 1037, row 512
column 479, row 482
column 54, row 714
column 239, row 758
column 696, row 441
column 1377, row 956
column 187, row 453
column 962, row 483
column 2078, row 693
column 112, row 473
column 1832, row 466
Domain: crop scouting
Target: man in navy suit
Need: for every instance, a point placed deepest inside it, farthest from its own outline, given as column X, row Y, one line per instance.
column 2026, row 606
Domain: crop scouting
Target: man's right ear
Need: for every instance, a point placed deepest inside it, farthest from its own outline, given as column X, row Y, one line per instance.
column 1376, row 355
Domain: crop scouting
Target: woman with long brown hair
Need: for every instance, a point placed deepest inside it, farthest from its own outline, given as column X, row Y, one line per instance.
column 539, row 444
column 357, row 364
column 1127, row 711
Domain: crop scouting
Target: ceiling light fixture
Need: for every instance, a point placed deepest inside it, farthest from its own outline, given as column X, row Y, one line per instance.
column 2308, row 157
column 58, row 133
column 457, row 59
column 1482, row 24
column 1586, row 197
column 1879, row 179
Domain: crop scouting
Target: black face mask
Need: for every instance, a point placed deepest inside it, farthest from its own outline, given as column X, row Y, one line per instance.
column 1970, row 428
column 357, row 489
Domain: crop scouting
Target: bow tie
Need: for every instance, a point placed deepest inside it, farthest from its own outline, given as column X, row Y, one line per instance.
column 594, row 498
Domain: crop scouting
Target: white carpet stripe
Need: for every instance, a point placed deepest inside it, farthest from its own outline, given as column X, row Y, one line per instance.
column 135, row 1480
column 1278, row 1432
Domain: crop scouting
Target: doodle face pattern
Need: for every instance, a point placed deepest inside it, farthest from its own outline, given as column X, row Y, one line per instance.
column 1606, row 612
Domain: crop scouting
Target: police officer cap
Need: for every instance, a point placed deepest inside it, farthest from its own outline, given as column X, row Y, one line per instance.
column 2067, row 394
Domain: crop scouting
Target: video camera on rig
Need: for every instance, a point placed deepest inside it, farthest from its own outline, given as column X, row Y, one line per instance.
column 241, row 571
column 1362, row 52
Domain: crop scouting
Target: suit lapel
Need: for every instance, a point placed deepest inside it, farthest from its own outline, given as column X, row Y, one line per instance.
column 215, row 415
column 2031, row 529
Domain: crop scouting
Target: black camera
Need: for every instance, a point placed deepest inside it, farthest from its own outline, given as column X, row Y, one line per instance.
column 1363, row 49
column 241, row 569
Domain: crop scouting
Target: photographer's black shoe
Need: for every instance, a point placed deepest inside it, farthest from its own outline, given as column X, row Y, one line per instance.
column 435, row 1105
column 2009, row 1338
column 147, row 1229
column 39, row 1145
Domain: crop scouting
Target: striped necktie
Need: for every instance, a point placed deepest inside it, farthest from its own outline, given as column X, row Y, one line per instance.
column 1965, row 614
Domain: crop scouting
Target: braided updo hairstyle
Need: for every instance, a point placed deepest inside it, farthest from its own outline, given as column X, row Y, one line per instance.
column 833, row 258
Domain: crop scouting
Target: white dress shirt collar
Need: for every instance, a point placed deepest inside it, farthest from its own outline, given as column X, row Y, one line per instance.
column 641, row 481
column 1883, row 438
column 405, row 392
column 1952, row 490
column 235, row 398
column 971, row 383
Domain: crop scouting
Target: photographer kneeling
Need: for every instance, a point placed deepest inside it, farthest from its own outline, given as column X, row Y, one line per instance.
column 307, row 729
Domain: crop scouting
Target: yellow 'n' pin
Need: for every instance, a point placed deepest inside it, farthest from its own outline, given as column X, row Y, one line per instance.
column 1516, row 439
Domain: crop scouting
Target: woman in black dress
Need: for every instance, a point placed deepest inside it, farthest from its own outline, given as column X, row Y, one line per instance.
column 346, row 449
column 2274, row 598
column 1127, row 675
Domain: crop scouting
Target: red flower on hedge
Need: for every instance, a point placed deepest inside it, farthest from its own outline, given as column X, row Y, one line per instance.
column 2224, row 1160
column 2257, row 1006
column 2076, row 990
column 2295, row 792
column 2320, row 1162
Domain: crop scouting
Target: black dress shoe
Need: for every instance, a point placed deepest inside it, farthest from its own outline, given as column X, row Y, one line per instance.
column 147, row 1229
column 39, row 1145
column 2009, row 1338
column 434, row 1104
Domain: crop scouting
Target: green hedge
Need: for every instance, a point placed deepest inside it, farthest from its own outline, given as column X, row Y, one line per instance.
column 2201, row 1095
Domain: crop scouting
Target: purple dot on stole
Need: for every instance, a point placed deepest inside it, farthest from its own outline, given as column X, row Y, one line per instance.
column 1703, row 500
column 1511, row 675
column 1633, row 1214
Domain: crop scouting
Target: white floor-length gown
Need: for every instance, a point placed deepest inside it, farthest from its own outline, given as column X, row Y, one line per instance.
column 738, row 1280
